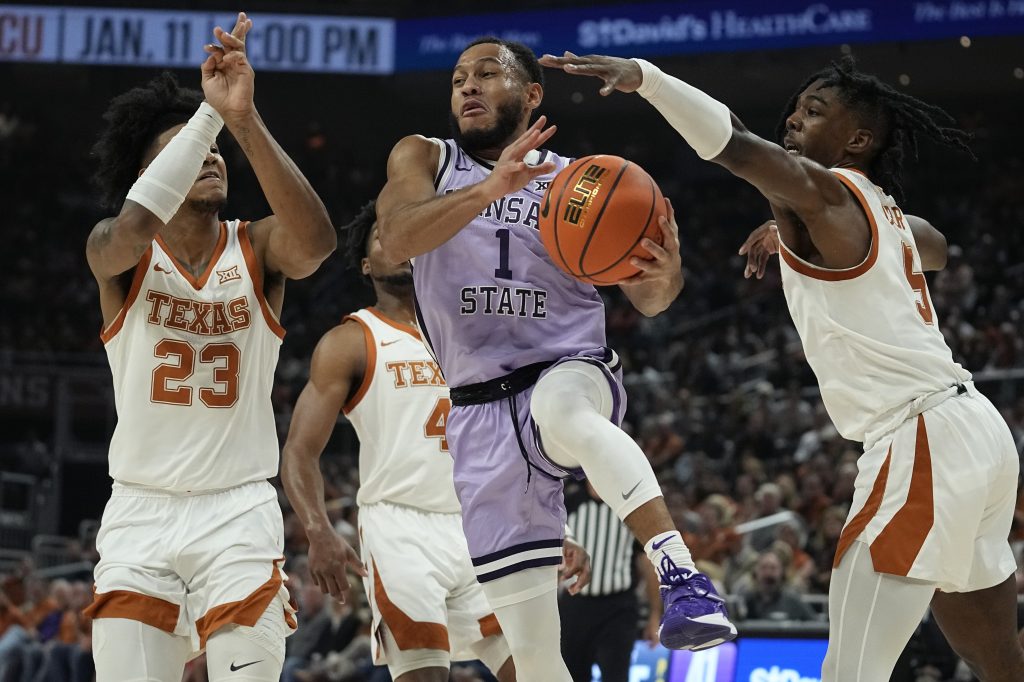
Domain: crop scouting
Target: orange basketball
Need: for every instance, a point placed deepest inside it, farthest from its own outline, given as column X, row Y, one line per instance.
column 594, row 214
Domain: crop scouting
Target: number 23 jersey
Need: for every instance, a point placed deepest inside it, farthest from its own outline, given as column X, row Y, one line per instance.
column 870, row 332
column 193, row 362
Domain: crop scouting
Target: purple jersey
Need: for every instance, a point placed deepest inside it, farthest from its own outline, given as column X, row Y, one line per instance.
column 489, row 299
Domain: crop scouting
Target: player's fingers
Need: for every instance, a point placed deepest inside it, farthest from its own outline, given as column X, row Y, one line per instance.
column 356, row 564
column 209, row 67
column 609, row 85
column 542, row 169
column 670, row 211
column 210, row 48
column 338, row 584
column 544, row 135
column 655, row 249
column 756, row 236
column 669, row 233
column 645, row 264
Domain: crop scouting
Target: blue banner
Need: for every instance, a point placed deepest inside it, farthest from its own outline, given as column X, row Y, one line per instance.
column 365, row 45
column 692, row 27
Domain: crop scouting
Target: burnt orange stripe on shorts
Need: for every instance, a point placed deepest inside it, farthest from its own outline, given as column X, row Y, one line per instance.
column 489, row 625
column 897, row 546
column 155, row 612
column 859, row 522
column 242, row 612
column 408, row 633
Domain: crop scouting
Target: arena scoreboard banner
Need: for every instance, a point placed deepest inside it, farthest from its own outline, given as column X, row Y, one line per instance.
column 669, row 28
column 163, row 38
column 366, row 45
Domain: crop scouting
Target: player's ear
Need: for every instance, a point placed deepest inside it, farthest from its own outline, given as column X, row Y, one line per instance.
column 365, row 266
column 860, row 141
column 534, row 95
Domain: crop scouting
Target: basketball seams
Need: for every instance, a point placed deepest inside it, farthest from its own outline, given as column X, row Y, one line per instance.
column 600, row 214
column 558, row 210
column 629, row 252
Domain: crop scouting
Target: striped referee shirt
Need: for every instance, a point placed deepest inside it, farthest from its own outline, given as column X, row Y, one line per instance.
column 611, row 546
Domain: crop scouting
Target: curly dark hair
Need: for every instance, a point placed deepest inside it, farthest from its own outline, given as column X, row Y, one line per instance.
column 134, row 119
column 898, row 118
column 357, row 235
column 530, row 68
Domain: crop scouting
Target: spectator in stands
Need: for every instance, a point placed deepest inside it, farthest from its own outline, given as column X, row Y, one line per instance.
column 770, row 599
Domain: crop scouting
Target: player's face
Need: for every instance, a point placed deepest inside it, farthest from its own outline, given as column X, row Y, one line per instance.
column 378, row 268
column 820, row 127
column 488, row 93
column 211, row 185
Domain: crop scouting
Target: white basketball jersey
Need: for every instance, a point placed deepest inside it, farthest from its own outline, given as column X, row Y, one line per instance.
column 870, row 332
column 399, row 413
column 193, row 363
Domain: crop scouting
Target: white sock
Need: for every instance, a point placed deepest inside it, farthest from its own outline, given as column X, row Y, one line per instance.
column 667, row 550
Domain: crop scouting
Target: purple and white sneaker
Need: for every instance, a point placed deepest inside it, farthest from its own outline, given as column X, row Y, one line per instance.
column 694, row 616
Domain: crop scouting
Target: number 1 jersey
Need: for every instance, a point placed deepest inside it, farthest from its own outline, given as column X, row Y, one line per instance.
column 490, row 300
column 870, row 332
column 193, row 362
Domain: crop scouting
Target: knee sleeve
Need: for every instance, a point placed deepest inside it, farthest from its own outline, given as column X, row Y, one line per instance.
column 572, row 406
column 129, row 651
column 252, row 654
column 871, row 618
column 532, row 631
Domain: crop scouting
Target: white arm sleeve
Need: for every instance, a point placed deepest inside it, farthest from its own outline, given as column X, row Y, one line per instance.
column 164, row 184
column 704, row 122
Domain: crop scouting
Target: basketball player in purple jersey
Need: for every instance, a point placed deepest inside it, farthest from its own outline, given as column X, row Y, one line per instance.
column 536, row 394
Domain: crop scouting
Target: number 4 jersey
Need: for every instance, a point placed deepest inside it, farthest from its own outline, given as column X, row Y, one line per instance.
column 399, row 412
column 870, row 332
column 193, row 361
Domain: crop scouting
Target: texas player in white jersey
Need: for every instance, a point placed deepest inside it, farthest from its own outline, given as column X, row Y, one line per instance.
column 191, row 541
column 937, row 481
column 428, row 608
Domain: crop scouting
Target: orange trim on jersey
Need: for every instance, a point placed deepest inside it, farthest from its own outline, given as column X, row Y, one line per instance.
column 817, row 272
column 408, row 633
column 244, row 611
column 155, row 612
column 133, row 292
column 198, row 284
column 252, row 265
column 371, row 365
column 489, row 625
column 412, row 331
column 897, row 546
column 859, row 522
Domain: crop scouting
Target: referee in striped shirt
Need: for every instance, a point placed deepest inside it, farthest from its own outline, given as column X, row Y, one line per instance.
column 601, row 623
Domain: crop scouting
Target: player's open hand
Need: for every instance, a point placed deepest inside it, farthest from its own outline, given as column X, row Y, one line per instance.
column 329, row 557
column 617, row 73
column 511, row 173
column 665, row 262
column 761, row 245
column 228, row 78
column 575, row 562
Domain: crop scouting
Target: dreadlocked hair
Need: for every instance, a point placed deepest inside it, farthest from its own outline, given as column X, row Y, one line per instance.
column 357, row 235
column 134, row 119
column 897, row 118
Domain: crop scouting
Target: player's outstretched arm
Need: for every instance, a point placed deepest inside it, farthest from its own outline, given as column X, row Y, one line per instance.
column 299, row 235
column 660, row 279
column 412, row 220
column 931, row 244
column 338, row 364
column 788, row 181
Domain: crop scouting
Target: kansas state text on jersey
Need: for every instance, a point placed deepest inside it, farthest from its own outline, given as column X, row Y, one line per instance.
column 489, row 299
